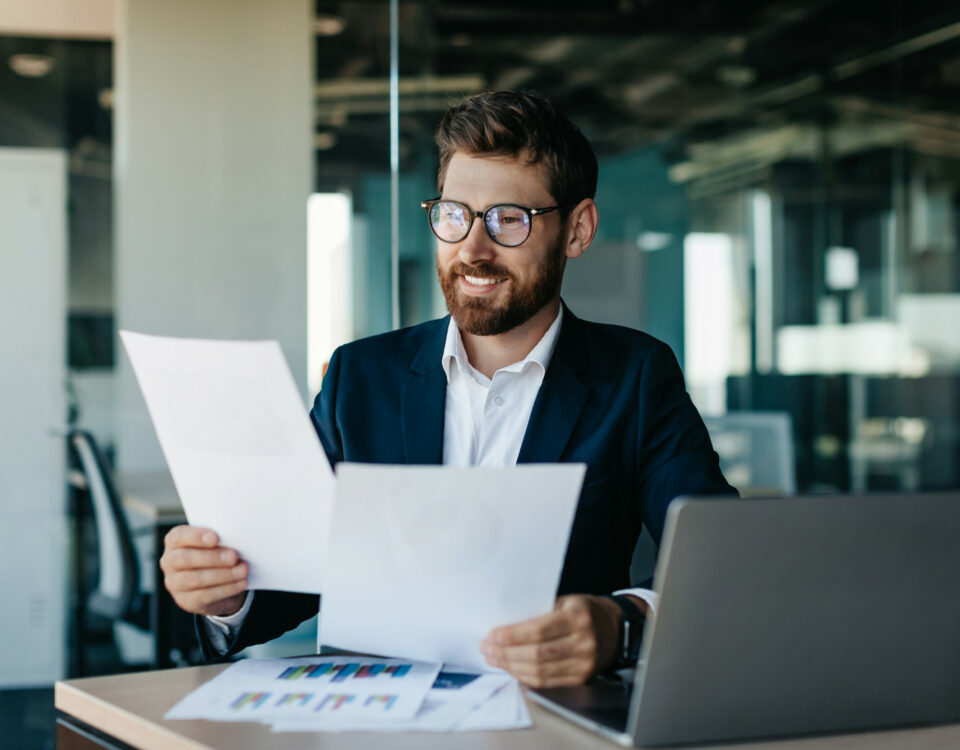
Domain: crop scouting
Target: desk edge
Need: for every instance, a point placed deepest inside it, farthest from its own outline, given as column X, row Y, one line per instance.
column 125, row 726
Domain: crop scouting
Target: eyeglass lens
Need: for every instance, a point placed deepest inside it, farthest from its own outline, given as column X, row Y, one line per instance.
column 506, row 224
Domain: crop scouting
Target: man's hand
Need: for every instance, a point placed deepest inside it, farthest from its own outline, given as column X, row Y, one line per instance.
column 566, row 647
column 202, row 577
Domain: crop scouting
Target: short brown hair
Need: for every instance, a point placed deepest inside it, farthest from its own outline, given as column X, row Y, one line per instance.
column 510, row 123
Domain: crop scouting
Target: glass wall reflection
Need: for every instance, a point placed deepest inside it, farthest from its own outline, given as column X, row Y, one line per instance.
column 778, row 199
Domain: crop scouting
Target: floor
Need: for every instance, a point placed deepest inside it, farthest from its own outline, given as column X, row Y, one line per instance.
column 27, row 719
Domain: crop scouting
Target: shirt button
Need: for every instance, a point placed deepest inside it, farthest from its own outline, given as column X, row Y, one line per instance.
column 498, row 401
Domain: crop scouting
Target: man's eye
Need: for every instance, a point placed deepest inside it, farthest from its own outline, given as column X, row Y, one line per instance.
column 511, row 217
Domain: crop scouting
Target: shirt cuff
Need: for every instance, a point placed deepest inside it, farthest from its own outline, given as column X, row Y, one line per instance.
column 221, row 628
column 650, row 597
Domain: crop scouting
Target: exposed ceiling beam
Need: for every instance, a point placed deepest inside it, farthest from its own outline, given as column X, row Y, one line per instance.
column 377, row 87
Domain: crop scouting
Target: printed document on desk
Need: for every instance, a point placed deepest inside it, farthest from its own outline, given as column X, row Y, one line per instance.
column 425, row 560
column 245, row 459
column 328, row 692
column 454, row 697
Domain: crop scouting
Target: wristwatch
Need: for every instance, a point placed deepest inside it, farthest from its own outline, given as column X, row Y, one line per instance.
column 631, row 632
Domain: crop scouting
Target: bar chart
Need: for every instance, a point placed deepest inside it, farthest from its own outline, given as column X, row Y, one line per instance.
column 347, row 670
column 332, row 690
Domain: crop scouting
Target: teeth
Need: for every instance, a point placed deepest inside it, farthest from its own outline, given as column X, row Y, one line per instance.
column 478, row 281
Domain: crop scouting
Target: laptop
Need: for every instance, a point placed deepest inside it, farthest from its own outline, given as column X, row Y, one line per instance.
column 791, row 616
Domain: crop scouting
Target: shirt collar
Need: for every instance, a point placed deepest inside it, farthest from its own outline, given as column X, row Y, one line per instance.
column 454, row 353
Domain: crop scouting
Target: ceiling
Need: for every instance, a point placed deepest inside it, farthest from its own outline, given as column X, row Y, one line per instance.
column 632, row 72
column 687, row 75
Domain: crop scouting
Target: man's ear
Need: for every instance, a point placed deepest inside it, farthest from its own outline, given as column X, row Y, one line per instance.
column 581, row 227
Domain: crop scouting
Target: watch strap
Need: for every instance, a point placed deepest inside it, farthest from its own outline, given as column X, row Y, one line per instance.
column 631, row 631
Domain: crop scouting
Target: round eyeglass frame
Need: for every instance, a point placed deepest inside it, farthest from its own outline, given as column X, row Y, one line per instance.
column 530, row 212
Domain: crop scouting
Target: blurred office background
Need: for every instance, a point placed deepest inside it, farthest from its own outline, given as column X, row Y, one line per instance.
column 779, row 199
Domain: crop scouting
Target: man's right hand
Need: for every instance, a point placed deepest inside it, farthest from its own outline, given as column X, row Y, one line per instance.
column 202, row 577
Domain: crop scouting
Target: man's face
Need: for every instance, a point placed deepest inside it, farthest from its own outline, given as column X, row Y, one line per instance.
column 491, row 289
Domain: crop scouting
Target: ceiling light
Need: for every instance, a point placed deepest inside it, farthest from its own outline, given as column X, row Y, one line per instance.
column 31, row 66
column 338, row 117
column 324, row 140
column 327, row 24
column 736, row 76
column 652, row 241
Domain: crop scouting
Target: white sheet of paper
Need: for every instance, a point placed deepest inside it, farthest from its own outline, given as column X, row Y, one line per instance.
column 446, row 555
column 324, row 690
column 244, row 456
column 506, row 709
column 453, row 696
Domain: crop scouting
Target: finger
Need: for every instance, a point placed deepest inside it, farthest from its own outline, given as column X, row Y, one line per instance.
column 557, row 649
column 183, row 558
column 564, row 673
column 206, row 597
column 192, row 580
column 190, row 536
column 555, row 624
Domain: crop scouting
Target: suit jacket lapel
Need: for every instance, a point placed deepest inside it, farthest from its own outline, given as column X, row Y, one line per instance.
column 561, row 399
column 423, row 400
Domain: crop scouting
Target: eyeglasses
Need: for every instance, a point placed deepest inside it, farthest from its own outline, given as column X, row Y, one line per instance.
column 506, row 224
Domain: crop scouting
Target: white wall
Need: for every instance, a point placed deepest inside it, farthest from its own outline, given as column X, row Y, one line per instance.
column 213, row 167
column 32, row 400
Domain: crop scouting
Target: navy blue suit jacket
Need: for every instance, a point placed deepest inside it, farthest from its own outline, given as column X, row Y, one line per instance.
column 612, row 398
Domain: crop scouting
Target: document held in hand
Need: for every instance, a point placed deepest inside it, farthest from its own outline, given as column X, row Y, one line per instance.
column 424, row 560
column 245, row 459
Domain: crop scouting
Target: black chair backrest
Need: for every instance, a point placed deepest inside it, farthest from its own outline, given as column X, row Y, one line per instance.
column 117, row 592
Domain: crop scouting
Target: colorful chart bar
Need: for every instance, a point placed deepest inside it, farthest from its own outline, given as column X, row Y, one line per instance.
column 250, row 699
column 301, row 699
column 341, row 672
column 293, row 673
column 344, row 671
column 334, row 701
column 384, row 701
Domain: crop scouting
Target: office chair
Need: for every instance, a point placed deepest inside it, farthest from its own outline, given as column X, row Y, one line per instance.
column 756, row 456
column 117, row 595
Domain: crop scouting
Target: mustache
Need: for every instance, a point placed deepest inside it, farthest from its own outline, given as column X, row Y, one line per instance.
column 484, row 270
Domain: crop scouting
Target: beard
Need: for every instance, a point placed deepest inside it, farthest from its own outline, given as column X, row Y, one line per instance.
column 482, row 316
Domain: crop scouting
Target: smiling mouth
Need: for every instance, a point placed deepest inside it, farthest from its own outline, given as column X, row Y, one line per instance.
column 483, row 280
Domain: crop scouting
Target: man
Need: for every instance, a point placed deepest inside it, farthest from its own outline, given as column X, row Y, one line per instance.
column 511, row 376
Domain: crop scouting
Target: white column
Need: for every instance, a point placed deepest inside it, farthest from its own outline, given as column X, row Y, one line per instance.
column 33, row 294
column 213, row 168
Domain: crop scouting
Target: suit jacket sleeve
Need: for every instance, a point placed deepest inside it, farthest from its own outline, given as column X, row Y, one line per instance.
column 273, row 613
column 324, row 412
column 674, row 453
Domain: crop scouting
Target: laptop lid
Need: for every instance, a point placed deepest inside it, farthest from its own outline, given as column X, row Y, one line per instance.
column 802, row 615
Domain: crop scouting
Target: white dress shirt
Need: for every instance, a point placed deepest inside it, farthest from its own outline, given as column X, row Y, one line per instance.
column 484, row 422
column 485, row 419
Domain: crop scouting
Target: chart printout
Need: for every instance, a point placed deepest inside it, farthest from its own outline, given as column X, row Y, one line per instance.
column 454, row 696
column 327, row 690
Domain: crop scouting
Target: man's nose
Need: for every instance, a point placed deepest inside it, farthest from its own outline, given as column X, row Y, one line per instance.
column 477, row 246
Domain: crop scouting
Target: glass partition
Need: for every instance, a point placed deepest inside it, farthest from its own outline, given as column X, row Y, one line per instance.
column 778, row 202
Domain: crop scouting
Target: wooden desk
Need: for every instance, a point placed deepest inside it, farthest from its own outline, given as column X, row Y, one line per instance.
column 129, row 708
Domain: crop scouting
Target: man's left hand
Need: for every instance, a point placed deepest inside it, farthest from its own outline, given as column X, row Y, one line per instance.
column 565, row 647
